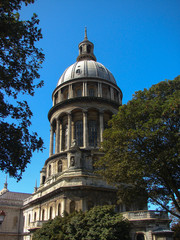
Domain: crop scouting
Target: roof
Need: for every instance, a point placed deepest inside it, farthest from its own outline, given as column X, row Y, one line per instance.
column 14, row 196
column 86, row 69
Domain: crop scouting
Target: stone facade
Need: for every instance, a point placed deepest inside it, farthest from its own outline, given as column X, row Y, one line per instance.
column 11, row 203
column 84, row 101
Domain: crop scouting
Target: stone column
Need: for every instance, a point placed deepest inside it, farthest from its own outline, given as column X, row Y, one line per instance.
column 99, row 89
column 60, row 142
column 57, row 136
column 69, row 131
column 85, row 130
column 51, row 141
column 112, row 93
column 60, row 95
column 70, row 94
column 101, row 121
column 72, row 130
column 63, row 206
column 53, row 100
column 39, row 213
column 84, row 89
column 119, row 97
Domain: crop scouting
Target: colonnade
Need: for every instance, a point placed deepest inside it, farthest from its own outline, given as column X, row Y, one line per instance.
column 57, row 135
column 58, row 96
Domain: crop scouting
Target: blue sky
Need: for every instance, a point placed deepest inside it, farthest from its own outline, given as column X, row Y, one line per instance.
column 137, row 40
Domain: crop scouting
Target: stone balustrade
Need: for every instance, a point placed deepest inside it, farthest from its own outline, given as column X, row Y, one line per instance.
column 145, row 215
column 35, row 225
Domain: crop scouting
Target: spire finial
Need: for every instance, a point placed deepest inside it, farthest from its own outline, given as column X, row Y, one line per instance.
column 86, row 49
column 6, row 184
column 85, row 36
column 35, row 188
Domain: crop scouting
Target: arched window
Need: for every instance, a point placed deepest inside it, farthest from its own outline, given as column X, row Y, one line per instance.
column 43, row 179
column 59, row 166
column 43, row 215
column 72, row 207
column 79, row 133
column 34, row 216
column 50, row 212
column 65, row 94
column 59, row 209
column 92, row 133
column 29, row 218
column 65, row 136
column 140, row 236
column 90, row 205
column 49, row 170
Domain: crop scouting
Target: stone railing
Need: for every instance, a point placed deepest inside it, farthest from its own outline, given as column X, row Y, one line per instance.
column 138, row 215
column 34, row 225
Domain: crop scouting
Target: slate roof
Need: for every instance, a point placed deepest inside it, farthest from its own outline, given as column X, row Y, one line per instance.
column 14, row 196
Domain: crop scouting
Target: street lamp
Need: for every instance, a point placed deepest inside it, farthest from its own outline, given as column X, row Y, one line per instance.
column 2, row 216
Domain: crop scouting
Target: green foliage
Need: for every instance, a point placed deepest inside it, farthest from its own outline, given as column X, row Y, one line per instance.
column 20, row 61
column 100, row 223
column 142, row 146
column 176, row 229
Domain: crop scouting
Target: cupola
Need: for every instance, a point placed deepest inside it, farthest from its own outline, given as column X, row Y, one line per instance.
column 86, row 49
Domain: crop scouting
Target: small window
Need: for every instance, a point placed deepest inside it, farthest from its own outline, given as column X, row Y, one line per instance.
column 91, row 92
column 43, row 215
column 50, row 212
column 88, row 48
column 43, row 179
column 34, row 216
column 59, row 166
column 78, row 71
column 72, row 206
column 79, row 92
column 56, row 98
column 49, row 170
column 29, row 218
column 59, row 209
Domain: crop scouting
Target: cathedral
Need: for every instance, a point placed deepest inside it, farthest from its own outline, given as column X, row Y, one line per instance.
column 84, row 100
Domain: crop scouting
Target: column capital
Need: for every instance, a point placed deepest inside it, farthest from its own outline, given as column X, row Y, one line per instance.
column 85, row 111
column 101, row 111
column 69, row 114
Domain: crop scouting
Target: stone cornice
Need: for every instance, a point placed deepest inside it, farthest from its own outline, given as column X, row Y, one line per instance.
column 82, row 99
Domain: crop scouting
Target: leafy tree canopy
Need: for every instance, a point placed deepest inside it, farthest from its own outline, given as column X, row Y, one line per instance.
column 101, row 223
column 176, row 229
column 142, row 146
column 20, row 61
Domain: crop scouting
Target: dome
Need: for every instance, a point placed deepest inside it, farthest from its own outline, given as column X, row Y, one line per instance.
column 86, row 69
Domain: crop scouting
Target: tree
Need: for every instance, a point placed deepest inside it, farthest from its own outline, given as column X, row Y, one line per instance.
column 141, row 146
column 176, row 229
column 101, row 222
column 20, row 61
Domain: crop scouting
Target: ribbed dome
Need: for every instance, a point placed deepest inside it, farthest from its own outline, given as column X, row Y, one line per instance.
column 86, row 69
